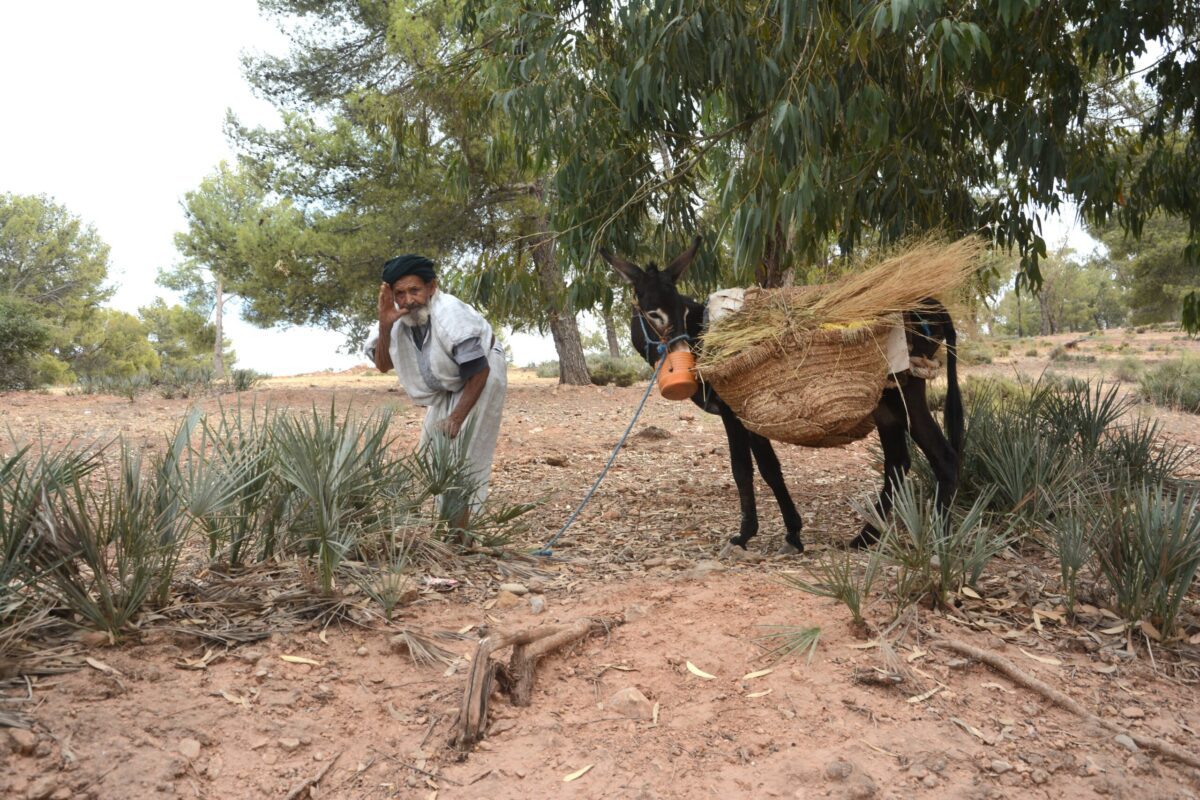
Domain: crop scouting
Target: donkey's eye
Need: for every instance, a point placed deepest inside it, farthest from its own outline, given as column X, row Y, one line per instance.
column 658, row 317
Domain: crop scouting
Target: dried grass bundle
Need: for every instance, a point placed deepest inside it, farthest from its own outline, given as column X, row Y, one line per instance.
column 890, row 282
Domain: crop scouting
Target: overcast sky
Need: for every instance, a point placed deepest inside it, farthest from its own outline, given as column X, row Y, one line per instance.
column 115, row 110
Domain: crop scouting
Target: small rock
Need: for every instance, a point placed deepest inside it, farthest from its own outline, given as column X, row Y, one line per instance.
column 656, row 561
column 703, row 569
column 1039, row 776
column 1132, row 712
column 500, row 726
column 515, row 588
column 839, row 770
column 189, row 749
column 1089, row 768
column 537, row 604
column 999, row 766
column 630, row 702
column 507, row 600
column 289, row 745
column 362, row 651
column 958, row 663
column 23, row 741
column 1125, row 741
column 250, row 656
column 42, row 788
column 61, row 793
column 652, row 432
column 634, row 612
column 930, row 781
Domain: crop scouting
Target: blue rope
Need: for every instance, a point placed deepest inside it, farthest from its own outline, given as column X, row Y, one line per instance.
column 545, row 552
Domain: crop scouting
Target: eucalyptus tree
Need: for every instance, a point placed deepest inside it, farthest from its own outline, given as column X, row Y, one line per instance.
column 388, row 143
column 847, row 121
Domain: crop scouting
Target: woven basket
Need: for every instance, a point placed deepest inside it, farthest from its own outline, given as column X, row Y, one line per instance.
column 816, row 388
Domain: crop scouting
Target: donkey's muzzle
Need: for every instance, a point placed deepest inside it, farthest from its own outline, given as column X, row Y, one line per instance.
column 677, row 376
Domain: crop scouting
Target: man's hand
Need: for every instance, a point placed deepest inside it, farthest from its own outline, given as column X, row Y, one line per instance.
column 451, row 426
column 388, row 313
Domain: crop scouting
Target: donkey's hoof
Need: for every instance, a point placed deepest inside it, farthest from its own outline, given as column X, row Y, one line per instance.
column 789, row 549
column 864, row 540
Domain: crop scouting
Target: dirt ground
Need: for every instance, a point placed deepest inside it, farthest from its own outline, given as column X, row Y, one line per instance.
column 171, row 715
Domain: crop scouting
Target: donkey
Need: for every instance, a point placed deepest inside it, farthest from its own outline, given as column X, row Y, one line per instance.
column 662, row 315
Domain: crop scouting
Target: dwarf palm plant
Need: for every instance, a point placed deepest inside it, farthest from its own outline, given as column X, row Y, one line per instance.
column 936, row 551
column 340, row 474
column 1148, row 546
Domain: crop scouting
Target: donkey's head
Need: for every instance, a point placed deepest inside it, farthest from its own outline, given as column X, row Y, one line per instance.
column 667, row 313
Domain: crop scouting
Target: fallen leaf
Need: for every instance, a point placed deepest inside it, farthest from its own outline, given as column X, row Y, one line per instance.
column 1195, row 639
column 749, row 676
column 237, row 700
column 299, row 660
column 763, row 693
column 1149, row 629
column 100, row 665
column 969, row 728
column 466, row 629
column 917, row 654
column 1054, row 662
column 654, row 719
column 321, row 636
column 1105, row 669
column 579, row 773
column 1114, row 630
column 917, row 698
column 998, row 687
column 699, row 673
column 864, row 645
column 969, row 592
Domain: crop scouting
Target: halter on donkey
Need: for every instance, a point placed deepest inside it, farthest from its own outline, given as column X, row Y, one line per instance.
column 664, row 320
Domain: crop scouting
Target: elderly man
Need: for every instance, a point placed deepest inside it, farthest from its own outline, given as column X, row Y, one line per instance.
column 447, row 359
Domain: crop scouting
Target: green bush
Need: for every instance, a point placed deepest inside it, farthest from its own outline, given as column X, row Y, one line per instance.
column 1174, row 384
column 546, row 369
column 1128, row 370
column 244, row 379
column 1031, row 352
column 621, row 371
column 974, row 352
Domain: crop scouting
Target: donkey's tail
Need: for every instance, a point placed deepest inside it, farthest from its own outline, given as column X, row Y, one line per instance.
column 953, row 415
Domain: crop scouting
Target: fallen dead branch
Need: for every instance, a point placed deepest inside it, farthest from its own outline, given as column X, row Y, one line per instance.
column 517, row 678
column 1017, row 676
column 304, row 788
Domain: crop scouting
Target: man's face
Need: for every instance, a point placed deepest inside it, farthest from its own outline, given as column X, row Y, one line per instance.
column 412, row 298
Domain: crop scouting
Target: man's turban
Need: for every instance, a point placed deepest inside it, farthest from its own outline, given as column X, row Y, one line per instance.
column 410, row 264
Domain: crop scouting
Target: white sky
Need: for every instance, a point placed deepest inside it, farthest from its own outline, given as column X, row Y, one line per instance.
column 115, row 109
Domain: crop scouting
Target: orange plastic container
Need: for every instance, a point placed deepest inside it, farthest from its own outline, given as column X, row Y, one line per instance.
column 677, row 378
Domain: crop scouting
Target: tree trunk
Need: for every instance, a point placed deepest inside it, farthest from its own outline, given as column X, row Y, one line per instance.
column 218, row 356
column 572, row 367
column 770, row 274
column 610, row 333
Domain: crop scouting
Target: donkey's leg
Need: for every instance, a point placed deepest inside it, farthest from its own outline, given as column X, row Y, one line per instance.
column 768, row 467
column 743, row 475
column 928, row 436
column 892, row 424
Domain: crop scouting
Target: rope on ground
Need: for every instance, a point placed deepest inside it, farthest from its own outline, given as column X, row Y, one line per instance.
column 545, row 552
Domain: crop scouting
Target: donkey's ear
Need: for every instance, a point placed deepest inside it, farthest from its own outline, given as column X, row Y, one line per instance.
column 677, row 267
column 627, row 270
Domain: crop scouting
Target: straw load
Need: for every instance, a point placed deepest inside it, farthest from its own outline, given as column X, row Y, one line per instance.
column 807, row 364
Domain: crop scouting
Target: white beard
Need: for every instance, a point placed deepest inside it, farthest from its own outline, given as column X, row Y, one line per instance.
column 416, row 318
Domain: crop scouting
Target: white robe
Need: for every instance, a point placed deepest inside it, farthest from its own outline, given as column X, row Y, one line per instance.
column 452, row 322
